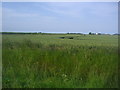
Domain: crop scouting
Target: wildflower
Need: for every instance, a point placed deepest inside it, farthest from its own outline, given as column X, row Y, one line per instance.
column 64, row 75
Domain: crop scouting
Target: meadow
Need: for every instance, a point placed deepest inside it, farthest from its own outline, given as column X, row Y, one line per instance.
column 49, row 61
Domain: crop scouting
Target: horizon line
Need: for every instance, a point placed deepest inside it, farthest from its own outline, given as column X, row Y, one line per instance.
column 58, row 32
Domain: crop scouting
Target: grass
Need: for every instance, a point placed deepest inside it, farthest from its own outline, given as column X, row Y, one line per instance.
column 46, row 61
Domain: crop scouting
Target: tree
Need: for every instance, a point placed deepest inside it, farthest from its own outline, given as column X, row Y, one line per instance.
column 90, row 33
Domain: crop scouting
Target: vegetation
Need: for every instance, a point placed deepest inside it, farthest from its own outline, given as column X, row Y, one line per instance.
column 48, row 61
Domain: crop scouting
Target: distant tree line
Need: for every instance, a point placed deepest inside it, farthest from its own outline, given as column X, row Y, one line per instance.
column 90, row 33
column 20, row 32
column 76, row 33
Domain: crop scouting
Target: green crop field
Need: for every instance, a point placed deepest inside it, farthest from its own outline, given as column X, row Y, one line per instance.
column 59, row 61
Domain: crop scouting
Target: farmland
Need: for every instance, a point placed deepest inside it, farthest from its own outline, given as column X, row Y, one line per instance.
column 51, row 61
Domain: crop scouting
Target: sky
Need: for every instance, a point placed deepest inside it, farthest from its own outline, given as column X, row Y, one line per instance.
column 60, row 17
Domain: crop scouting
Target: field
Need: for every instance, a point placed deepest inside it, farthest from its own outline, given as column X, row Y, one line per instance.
column 51, row 61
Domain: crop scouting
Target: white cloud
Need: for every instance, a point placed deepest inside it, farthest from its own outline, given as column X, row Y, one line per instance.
column 104, row 10
column 80, row 9
column 66, row 9
column 13, row 13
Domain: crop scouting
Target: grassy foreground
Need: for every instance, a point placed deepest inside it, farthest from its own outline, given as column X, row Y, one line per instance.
column 47, row 61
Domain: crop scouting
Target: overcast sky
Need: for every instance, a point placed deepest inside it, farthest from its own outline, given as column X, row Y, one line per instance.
column 60, row 17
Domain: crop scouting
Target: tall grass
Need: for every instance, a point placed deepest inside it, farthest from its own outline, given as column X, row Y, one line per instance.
column 35, row 64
